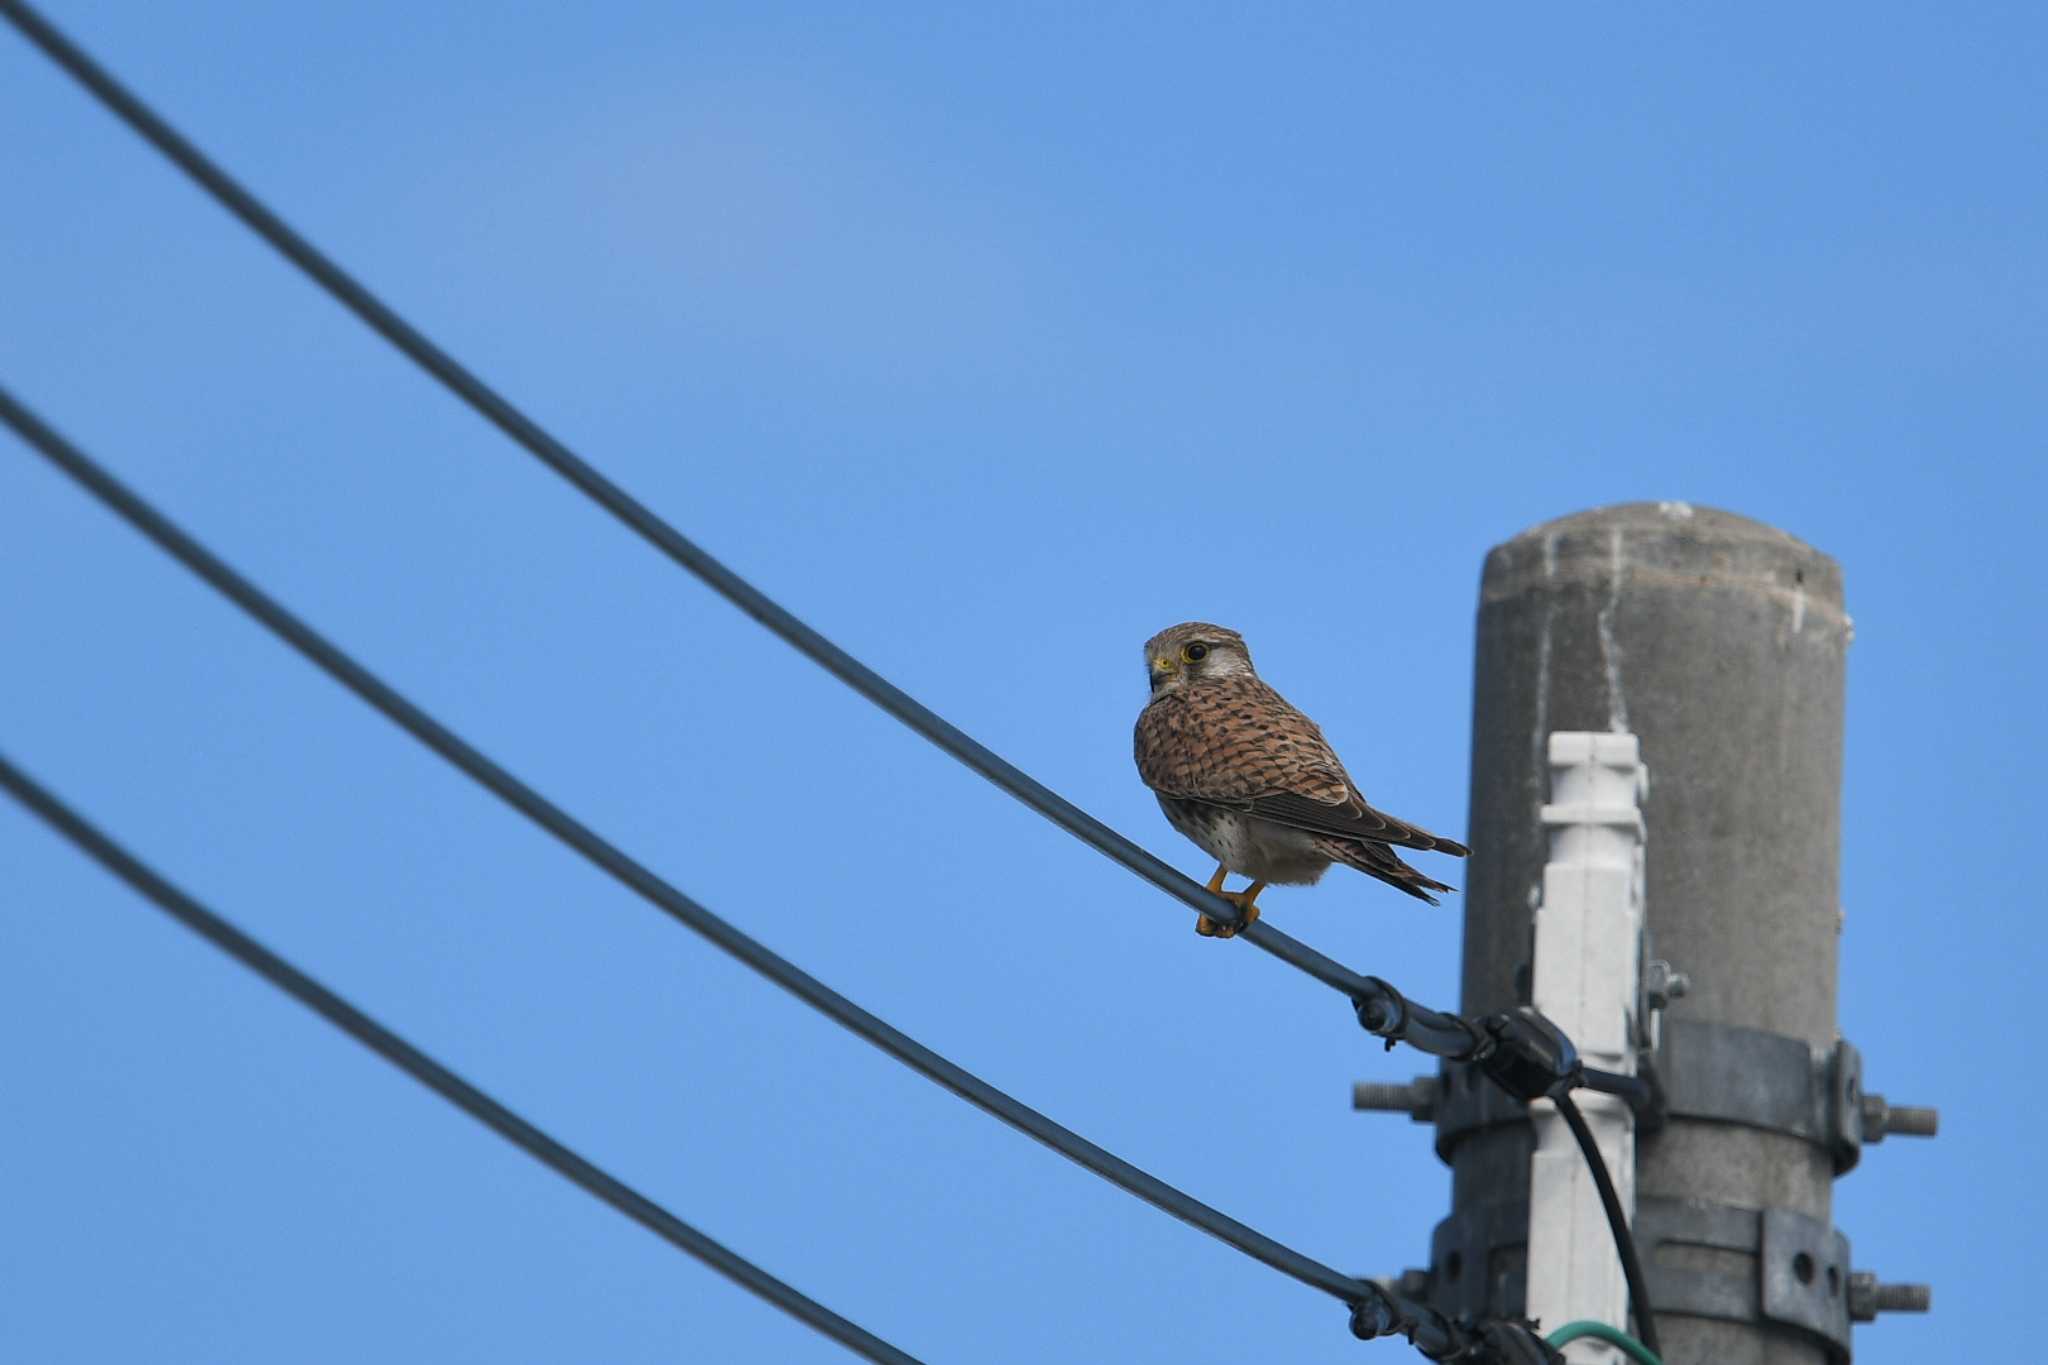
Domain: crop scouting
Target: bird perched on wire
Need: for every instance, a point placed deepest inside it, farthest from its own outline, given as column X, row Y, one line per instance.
column 1252, row 780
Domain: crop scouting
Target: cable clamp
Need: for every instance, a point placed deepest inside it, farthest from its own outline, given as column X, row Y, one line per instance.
column 1384, row 1014
column 1495, row 1341
column 1527, row 1055
column 1375, row 1317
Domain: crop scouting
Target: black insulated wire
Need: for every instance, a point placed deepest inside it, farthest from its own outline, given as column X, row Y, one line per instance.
column 653, row 889
column 1428, row 1030
column 436, row 1077
column 1617, row 1221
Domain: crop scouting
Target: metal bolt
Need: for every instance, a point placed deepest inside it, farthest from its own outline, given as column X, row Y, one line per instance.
column 1880, row 1118
column 1868, row 1298
column 1417, row 1099
column 1662, row 984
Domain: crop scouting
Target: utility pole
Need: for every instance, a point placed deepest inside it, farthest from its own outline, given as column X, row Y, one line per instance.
column 1719, row 644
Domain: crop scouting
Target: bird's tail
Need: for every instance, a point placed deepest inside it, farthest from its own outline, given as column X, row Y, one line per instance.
column 1379, row 861
column 1415, row 836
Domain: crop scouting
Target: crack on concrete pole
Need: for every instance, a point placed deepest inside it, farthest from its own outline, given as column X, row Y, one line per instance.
column 1540, row 738
column 1610, row 650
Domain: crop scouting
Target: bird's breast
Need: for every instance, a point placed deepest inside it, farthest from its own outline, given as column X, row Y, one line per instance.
column 1247, row 845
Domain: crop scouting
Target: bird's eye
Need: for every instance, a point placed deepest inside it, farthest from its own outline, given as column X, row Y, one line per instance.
column 1194, row 653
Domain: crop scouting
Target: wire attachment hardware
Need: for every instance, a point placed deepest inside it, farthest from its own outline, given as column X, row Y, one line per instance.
column 1459, row 1341
column 1527, row 1055
column 1382, row 1013
column 1374, row 1317
column 1501, row 1342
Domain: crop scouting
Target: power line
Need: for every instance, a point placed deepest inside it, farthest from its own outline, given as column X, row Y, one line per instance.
column 564, row 827
column 436, row 1077
column 1382, row 1009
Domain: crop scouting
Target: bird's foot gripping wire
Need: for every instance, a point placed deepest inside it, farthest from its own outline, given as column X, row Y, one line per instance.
column 1245, row 900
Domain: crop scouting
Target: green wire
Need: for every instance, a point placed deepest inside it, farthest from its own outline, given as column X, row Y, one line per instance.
column 1613, row 1336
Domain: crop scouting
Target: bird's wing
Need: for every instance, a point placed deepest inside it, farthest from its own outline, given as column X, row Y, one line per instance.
column 1238, row 744
column 1352, row 818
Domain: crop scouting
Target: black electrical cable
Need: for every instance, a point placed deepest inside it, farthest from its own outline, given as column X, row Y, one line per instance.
column 1617, row 1220
column 1431, row 1031
column 437, row 1078
column 661, row 894
column 1633, row 1089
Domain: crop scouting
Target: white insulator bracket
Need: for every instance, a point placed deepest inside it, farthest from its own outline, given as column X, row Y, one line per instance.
column 1588, row 954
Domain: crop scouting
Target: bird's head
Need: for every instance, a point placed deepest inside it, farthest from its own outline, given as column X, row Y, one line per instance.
column 1193, row 652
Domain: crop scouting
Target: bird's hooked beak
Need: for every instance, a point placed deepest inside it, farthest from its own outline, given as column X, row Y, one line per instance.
column 1163, row 667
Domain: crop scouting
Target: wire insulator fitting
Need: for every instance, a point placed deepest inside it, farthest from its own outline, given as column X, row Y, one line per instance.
column 1529, row 1057
column 1382, row 1013
column 1374, row 1317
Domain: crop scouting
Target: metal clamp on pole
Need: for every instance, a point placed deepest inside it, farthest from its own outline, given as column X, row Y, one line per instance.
column 1746, row 1076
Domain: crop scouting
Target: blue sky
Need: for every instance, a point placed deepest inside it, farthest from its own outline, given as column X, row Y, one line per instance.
column 991, row 342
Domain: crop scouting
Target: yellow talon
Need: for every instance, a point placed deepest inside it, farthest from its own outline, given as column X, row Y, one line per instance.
column 1245, row 900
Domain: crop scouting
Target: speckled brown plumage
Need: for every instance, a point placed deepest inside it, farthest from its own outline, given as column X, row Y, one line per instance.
column 1252, row 780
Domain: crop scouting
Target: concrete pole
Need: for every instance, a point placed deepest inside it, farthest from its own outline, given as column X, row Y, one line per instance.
column 1719, row 643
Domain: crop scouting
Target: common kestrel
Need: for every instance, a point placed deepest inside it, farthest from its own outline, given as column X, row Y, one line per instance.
column 1252, row 780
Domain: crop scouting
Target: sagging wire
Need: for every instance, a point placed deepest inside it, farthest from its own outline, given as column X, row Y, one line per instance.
column 591, row 1178
column 1380, row 1008
column 1376, row 1311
